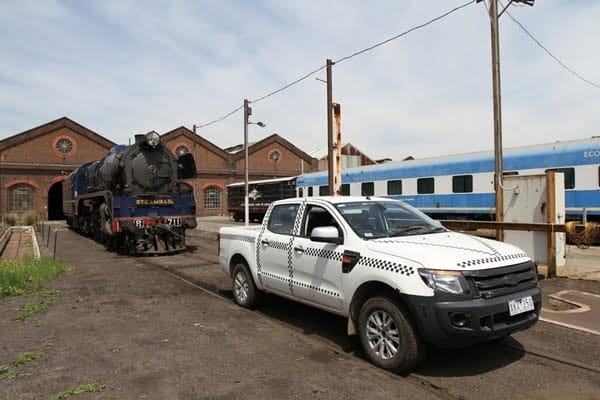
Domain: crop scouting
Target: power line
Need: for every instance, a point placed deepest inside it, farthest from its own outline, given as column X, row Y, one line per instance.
column 552, row 55
column 287, row 86
column 403, row 33
column 220, row 118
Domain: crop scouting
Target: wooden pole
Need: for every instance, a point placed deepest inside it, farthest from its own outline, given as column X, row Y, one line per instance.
column 550, row 218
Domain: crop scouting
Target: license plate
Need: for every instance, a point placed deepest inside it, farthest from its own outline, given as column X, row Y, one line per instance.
column 520, row 306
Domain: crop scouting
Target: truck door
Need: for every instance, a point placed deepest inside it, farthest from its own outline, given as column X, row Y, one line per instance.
column 317, row 266
column 274, row 249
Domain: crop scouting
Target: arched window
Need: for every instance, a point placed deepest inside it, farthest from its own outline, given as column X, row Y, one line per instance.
column 20, row 198
column 212, row 197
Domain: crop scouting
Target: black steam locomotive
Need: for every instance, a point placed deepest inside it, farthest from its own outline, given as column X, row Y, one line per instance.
column 134, row 199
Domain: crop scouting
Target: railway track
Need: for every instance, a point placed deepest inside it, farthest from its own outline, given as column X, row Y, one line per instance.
column 339, row 343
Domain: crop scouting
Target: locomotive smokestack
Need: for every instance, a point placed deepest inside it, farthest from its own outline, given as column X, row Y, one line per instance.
column 139, row 139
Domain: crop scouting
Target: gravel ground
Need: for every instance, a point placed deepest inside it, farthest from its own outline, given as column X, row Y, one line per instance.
column 124, row 323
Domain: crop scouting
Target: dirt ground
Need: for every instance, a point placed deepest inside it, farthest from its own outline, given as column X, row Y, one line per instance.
column 142, row 333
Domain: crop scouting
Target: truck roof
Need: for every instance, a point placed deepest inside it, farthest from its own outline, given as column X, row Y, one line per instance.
column 337, row 199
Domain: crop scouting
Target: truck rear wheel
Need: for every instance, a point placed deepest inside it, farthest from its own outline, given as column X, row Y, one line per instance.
column 245, row 292
column 388, row 336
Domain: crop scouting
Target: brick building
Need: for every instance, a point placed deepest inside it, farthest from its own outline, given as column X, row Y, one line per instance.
column 34, row 163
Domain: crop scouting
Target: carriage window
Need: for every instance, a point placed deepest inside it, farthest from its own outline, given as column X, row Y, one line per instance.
column 569, row 176
column 310, row 191
column 282, row 219
column 367, row 188
column 394, row 187
column 462, row 184
column 323, row 190
column 346, row 189
column 425, row 185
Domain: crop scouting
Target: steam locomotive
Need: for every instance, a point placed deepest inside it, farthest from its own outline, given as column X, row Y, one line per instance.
column 134, row 200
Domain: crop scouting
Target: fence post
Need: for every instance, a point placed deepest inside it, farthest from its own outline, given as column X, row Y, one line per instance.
column 54, row 252
column 48, row 236
column 42, row 230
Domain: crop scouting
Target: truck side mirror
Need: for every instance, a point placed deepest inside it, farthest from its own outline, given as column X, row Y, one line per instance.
column 327, row 234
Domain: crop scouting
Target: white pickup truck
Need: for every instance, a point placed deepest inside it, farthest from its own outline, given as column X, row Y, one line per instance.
column 401, row 279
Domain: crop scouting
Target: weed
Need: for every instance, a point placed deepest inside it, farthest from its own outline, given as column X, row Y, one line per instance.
column 89, row 388
column 16, row 277
column 114, row 349
column 10, row 220
column 12, row 374
column 51, row 293
column 39, row 322
column 29, row 219
column 28, row 309
column 25, row 358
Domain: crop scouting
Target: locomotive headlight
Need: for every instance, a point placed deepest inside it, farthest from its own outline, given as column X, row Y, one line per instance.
column 452, row 282
column 153, row 139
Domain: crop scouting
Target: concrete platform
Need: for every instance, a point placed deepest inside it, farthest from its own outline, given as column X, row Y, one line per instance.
column 584, row 317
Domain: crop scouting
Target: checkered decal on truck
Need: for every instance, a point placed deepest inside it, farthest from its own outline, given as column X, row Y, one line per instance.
column 489, row 260
column 370, row 262
column 386, row 265
column 258, row 244
column 290, row 267
column 322, row 253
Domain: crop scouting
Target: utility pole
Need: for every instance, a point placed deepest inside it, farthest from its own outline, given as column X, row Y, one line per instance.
column 247, row 113
column 195, row 174
column 497, row 116
column 334, row 138
column 496, row 87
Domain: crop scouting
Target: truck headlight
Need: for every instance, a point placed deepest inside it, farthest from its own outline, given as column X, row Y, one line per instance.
column 452, row 282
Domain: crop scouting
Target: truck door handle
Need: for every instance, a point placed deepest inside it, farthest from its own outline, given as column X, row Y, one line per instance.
column 264, row 242
column 299, row 249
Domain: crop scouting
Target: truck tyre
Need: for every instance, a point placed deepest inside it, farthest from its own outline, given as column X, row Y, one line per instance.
column 388, row 336
column 245, row 292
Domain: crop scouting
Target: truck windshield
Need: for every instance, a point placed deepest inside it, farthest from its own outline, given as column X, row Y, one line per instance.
column 377, row 219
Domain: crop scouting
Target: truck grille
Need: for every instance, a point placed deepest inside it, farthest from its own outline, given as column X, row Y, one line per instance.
column 502, row 281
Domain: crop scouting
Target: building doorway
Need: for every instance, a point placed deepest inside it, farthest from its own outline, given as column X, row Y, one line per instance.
column 55, row 200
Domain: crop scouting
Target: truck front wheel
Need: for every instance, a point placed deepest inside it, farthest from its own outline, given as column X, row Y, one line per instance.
column 245, row 292
column 388, row 336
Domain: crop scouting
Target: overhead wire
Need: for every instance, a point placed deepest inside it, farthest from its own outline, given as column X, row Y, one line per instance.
column 403, row 33
column 306, row 76
column 552, row 55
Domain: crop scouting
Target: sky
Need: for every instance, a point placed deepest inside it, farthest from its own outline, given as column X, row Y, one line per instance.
column 127, row 67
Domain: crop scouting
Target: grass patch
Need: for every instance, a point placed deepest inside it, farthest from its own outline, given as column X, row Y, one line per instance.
column 89, row 388
column 11, row 370
column 28, row 309
column 114, row 349
column 18, row 277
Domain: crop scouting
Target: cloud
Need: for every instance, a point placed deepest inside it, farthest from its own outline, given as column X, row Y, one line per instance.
column 127, row 67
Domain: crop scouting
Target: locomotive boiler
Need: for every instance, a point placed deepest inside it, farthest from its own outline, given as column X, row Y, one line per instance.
column 135, row 199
